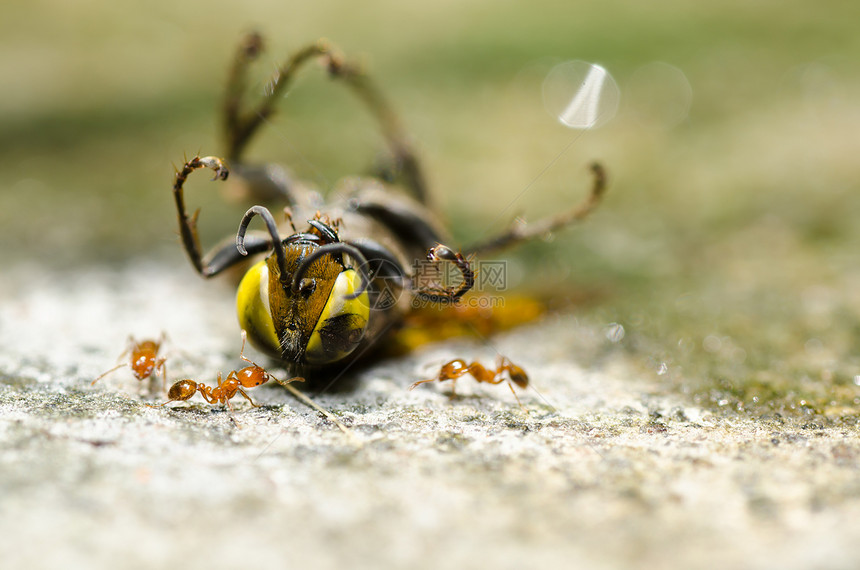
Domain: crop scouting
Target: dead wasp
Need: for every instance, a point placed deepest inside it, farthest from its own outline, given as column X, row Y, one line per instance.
column 328, row 291
column 143, row 360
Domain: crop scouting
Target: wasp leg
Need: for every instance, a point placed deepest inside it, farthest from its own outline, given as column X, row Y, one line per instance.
column 226, row 255
column 240, row 127
column 385, row 270
column 410, row 227
column 406, row 164
column 519, row 233
column 439, row 294
column 188, row 225
column 381, row 263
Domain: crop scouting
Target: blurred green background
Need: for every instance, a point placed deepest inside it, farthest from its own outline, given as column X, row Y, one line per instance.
column 726, row 248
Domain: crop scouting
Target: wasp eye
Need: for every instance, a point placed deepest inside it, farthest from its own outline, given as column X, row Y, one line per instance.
column 307, row 287
column 341, row 324
column 255, row 315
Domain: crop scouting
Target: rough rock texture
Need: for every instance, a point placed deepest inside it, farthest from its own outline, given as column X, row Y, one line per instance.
column 601, row 468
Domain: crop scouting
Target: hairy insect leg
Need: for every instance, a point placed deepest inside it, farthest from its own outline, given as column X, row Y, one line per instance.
column 519, row 233
column 407, row 166
column 188, row 225
column 220, row 259
column 240, row 126
column 236, row 128
column 436, row 294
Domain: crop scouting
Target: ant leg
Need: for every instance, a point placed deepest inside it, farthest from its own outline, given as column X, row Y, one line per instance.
column 288, row 216
column 227, row 255
column 516, row 375
column 442, row 253
column 511, row 386
column 453, row 384
column 453, row 389
column 103, row 374
column 516, row 233
column 449, row 371
column 206, row 392
column 161, row 364
column 247, row 397
column 128, row 346
column 418, row 383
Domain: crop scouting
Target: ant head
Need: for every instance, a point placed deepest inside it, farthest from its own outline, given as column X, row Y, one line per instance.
column 252, row 376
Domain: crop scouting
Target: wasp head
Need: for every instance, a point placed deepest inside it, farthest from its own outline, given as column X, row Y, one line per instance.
column 303, row 303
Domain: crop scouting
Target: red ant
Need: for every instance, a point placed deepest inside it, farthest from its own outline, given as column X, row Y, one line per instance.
column 248, row 377
column 144, row 360
column 458, row 367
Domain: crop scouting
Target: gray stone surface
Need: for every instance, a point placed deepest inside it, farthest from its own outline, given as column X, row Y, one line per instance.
column 604, row 467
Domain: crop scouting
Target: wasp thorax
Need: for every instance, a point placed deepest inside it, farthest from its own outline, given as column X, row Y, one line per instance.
column 313, row 320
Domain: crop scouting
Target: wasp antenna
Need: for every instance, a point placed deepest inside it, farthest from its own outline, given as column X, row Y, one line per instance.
column 277, row 244
column 328, row 249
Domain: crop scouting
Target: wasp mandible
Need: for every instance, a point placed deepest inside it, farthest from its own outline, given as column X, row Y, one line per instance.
column 333, row 287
